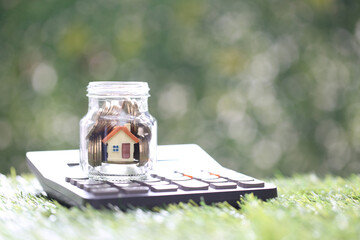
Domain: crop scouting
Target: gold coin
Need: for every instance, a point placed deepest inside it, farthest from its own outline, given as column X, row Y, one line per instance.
column 130, row 108
column 93, row 128
column 98, row 150
column 126, row 106
column 90, row 153
column 143, row 152
column 101, row 123
column 105, row 109
column 134, row 126
column 91, row 132
column 118, row 110
column 109, row 121
column 111, row 109
column 115, row 109
column 135, row 110
column 141, row 130
column 94, row 151
column 96, row 128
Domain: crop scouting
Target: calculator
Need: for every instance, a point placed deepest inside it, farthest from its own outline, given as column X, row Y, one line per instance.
column 182, row 173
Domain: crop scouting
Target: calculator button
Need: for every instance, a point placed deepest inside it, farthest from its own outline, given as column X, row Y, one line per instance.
column 180, row 178
column 166, row 175
column 239, row 178
column 174, row 177
column 156, row 183
column 164, row 188
column 88, row 187
column 132, row 184
column 104, row 191
column 75, row 173
column 191, row 185
column 154, row 175
column 81, row 183
column 223, row 185
column 141, row 189
column 204, row 175
column 214, row 180
column 69, row 178
column 251, row 184
column 73, row 181
column 149, row 180
column 157, row 175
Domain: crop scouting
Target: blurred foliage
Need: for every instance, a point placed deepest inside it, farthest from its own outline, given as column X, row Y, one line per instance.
column 263, row 86
column 308, row 207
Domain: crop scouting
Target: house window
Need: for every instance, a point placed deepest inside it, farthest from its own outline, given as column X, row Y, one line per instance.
column 125, row 150
column 115, row 148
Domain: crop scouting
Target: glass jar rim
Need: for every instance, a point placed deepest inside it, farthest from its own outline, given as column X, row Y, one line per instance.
column 117, row 89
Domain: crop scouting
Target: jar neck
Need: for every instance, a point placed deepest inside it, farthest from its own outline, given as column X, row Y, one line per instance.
column 118, row 89
column 96, row 103
column 122, row 94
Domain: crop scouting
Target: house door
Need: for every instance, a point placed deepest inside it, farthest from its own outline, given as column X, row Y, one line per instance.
column 125, row 150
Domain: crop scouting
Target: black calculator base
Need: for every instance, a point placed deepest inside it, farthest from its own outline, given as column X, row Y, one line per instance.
column 175, row 180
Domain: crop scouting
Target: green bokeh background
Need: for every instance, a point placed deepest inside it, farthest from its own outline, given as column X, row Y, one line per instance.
column 263, row 86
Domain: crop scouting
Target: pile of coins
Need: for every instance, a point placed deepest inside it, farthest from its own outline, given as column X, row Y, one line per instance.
column 113, row 114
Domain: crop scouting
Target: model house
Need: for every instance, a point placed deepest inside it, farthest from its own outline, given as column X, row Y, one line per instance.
column 120, row 145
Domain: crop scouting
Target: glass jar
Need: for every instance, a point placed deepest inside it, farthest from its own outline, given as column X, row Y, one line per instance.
column 118, row 136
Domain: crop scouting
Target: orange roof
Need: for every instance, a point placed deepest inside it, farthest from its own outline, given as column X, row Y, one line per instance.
column 116, row 130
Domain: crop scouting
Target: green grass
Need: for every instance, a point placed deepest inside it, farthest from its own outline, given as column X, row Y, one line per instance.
column 307, row 208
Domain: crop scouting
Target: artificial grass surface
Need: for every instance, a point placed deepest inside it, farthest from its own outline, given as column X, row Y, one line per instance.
column 307, row 208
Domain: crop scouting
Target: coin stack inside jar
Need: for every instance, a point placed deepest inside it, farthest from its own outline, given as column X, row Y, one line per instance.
column 116, row 118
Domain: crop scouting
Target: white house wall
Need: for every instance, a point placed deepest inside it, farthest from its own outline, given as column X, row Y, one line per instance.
column 119, row 139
